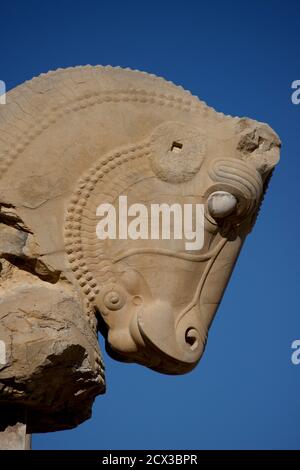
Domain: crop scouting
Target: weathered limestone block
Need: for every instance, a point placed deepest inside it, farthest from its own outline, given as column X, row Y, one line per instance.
column 52, row 359
column 13, row 429
column 71, row 140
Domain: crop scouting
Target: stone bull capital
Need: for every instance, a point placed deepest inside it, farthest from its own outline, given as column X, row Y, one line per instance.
column 71, row 140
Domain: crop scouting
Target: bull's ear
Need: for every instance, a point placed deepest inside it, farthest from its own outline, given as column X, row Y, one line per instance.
column 258, row 145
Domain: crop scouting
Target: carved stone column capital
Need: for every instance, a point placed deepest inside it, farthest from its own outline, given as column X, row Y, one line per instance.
column 74, row 139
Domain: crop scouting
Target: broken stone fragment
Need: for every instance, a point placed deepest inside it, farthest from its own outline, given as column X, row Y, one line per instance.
column 12, row 241
column 53, row 364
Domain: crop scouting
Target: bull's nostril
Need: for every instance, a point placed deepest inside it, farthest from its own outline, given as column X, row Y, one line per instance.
column 192, row 338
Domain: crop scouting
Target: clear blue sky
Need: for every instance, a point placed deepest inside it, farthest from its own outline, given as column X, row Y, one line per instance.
column 240, row 57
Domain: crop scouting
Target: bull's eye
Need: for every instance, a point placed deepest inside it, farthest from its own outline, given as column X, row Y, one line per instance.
column 221, row 204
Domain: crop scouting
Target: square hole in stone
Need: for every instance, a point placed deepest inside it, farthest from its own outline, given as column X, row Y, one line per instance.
column 176, row 147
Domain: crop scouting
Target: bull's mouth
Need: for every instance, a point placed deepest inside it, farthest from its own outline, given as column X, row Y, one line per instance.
column 155, row 339
column 173, row 357
column 178, row 339
column 154, row 330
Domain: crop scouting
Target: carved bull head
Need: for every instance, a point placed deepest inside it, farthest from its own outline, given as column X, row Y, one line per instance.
column 76, row 138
